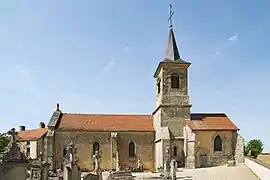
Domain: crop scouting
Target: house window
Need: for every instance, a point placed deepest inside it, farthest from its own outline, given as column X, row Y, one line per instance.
column 217, row 143
column 175, row 81
column 174, row 151
column 64, row 152
column 95, row 148
column 131, row 149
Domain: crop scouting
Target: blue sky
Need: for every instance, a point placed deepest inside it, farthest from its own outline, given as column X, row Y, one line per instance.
column 100, row 56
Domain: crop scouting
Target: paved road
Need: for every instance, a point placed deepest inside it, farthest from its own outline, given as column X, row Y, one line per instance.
column 240, row 172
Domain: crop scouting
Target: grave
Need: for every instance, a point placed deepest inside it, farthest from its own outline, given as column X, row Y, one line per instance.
column 120, row 175
column 13, row 164
column 167, row 164
column 90, row 176
column 39, row 170
column 71, row 170
column 98, row 170
column 173, row 169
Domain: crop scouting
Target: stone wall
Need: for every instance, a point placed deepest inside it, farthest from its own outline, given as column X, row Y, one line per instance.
column 239, row 149
column 13, row 171
column 84, row 144
column 173, row 117
column 261, row 170
column 144, row 144
column 159, row 154
column 172, row 104
column 205, row 143
column 180, row 155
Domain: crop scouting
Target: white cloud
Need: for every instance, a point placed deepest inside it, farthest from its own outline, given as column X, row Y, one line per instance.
column 110, row 64
column 234, row 38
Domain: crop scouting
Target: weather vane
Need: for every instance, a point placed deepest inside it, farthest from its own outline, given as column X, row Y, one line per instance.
column 171, row 14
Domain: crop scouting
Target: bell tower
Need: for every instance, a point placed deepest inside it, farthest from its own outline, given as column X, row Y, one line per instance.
column 172, row 107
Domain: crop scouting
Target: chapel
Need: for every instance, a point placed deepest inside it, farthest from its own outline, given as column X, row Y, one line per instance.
column 143, row 141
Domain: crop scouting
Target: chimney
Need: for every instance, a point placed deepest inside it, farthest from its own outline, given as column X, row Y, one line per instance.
column 21, row 128
column 42, row 125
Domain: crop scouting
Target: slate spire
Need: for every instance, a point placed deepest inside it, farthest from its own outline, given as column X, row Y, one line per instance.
column 172, row 52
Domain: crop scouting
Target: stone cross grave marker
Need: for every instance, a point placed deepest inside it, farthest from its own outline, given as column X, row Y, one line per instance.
column 167, row 164
column 71, row 170
column 173, row 169
column 97, row 165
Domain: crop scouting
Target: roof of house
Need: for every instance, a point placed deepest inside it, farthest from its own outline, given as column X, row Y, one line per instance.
column 211, row 121
column 31, row 135
column 128, row 122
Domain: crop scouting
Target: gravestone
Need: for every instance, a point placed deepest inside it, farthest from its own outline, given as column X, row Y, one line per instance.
column 90, row 176
column 167, row 164
column 173, row 169
column 39, row 170
column 13, row 163
column 98, row 170
column 120, row 175
column 139, row 165
column 71, row 170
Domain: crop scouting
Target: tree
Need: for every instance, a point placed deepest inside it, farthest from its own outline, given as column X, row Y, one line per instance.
column 255, row 146
column 4, row 140
column 246, row 150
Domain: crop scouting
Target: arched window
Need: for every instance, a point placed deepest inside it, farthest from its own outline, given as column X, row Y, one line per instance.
column 131, row 148
column 174, row 151
column 217, row 143
column 175, row 81
column 95, row 148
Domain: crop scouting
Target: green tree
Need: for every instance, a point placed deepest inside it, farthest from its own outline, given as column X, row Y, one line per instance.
column 4, row 140
column 255, row 146
column 246, row 150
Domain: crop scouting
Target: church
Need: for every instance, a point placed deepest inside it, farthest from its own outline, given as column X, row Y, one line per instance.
column 143, row 141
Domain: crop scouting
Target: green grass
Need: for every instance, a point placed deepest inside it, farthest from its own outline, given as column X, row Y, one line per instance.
column 264, row 158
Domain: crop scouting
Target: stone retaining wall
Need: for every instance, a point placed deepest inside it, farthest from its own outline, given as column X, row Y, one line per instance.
column 259, row 168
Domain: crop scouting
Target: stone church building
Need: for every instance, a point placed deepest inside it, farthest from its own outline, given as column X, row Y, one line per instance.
column 133, row 140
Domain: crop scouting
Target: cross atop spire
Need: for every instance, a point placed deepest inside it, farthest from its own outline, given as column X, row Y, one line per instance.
column 171, row 14
column 172, row 52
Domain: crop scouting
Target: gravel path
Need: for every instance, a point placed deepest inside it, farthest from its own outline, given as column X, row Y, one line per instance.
column 240, row 172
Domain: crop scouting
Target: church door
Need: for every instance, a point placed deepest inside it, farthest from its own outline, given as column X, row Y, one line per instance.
column 203, row 161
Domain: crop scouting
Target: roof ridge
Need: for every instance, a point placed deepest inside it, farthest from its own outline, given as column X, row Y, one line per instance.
column 209, row 113
column 34, row 129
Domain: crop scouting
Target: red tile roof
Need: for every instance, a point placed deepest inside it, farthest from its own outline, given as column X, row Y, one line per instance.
column 31, row 135
column 127, row 122
column 208, row 121
column 106, row 122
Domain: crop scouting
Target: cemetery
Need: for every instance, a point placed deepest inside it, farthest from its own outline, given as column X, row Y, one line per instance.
column 14, row 165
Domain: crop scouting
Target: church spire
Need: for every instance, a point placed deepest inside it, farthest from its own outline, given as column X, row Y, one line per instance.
column 172, row 52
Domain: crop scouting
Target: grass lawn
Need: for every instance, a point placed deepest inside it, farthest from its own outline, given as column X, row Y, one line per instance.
column 264, row 158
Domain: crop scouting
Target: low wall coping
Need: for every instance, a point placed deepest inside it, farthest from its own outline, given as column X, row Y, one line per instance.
column 258, row 161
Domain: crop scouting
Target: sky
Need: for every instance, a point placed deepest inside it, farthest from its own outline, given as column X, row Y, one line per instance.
column 99, row 56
